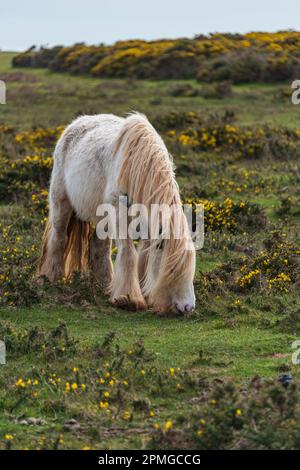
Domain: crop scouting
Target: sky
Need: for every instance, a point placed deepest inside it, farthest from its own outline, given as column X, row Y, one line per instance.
column 24, row 23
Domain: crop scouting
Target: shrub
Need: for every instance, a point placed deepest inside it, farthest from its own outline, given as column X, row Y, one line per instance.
column 246, row 58
column 218, row 90
column 185, row 90
column 243, row 67
column 263, row 415
column 275, row 268
column 248, row 142
column 54, row 343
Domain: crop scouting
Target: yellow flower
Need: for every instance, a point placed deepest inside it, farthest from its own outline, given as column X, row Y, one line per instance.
column 168, row 425
column 8, row 437
column 74, row 386
column 151, row 413
column 238, row 412
column 103, row 405
column 106, row 394
column 20, row 383
column 126, row 415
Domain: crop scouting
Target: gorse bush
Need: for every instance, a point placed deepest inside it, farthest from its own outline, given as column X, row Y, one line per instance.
column 230, row 215
column 218, row 90
column 250, row 67
column 261, row 416
column 248, row 142
column 275, row 268
column 185, row 91
column 51, row 344
column 267, row 57
column 29, row 169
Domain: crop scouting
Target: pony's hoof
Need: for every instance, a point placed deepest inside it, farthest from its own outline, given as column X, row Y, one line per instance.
column 128, row 303
column 138, row 304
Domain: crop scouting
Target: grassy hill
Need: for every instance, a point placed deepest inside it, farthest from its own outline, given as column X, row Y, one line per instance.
column 40, row 97
column 157, row 382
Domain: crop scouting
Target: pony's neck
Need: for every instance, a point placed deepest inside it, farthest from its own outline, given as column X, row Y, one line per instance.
column 146, row 172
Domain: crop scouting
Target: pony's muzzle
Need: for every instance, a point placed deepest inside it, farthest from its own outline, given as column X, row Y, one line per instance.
column 189, row 308
column 185, row 308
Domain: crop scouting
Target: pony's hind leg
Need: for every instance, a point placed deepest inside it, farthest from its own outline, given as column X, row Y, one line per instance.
column 100, row 263
column 51, row 262
column 126, row 291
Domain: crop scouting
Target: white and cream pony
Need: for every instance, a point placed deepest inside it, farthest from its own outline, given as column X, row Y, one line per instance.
column 96, row 160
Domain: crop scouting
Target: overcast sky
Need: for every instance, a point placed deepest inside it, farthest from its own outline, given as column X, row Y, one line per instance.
column 27, row 22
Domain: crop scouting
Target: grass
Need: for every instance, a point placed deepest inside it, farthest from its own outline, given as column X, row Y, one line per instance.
column 177, row 343
column 208, row 349
column 44, row 91
column 233, row 336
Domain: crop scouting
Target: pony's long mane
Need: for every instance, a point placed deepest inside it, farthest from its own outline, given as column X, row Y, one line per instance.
column 147, row 176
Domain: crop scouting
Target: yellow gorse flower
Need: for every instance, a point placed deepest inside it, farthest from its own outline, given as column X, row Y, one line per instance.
column 103, row 405
column 168, row 425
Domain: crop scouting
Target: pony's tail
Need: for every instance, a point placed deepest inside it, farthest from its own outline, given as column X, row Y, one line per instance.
column 44, row 248
column 76, row 250
column 76, row 254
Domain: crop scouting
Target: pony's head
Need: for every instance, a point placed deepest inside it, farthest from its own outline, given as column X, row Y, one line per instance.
column 166, row 270
column 173, row 291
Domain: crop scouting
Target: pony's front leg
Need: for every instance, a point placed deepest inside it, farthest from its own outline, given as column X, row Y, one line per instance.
column 126, row 291
column 101, row 267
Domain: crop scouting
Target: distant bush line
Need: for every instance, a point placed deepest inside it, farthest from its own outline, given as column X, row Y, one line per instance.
column 251, row 57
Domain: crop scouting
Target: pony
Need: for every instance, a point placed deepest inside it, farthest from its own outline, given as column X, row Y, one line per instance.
column 96, row 160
